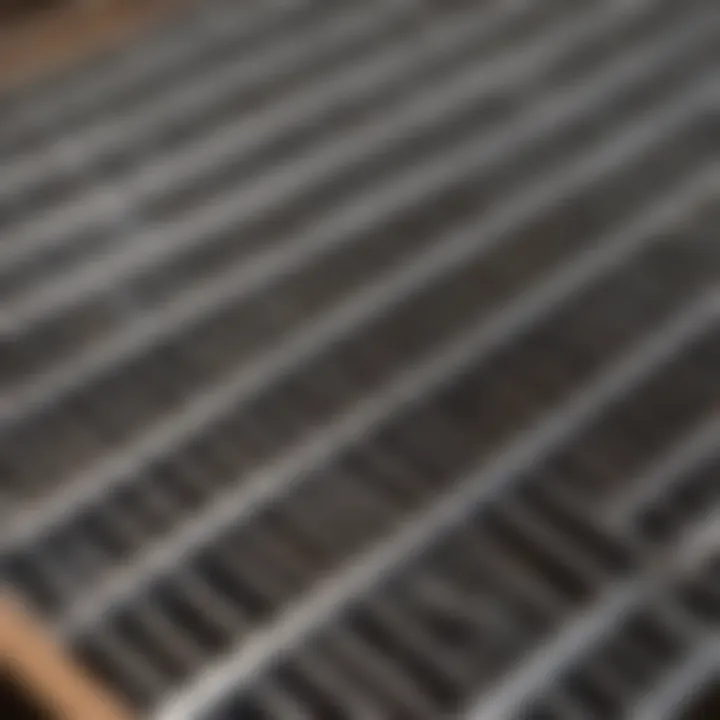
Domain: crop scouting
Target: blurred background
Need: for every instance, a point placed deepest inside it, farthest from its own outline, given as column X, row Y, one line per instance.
column 361, row 360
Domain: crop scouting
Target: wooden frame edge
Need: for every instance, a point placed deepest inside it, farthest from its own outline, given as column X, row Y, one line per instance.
column 30, row 655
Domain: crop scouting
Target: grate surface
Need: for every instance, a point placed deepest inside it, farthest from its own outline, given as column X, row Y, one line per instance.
column 363, row 360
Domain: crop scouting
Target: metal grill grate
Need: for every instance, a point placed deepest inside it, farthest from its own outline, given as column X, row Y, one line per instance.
column 362, row 361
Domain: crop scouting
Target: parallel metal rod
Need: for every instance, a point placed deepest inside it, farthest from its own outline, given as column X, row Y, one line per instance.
column 582, row 636
column 384, row 674
column 479, row 487
column 700, row 446
column 268, row 483
column 543, row 535
column 238, row 511
column 295, row 49
column 135, row 668
column 509, row 573
column 675, row 691
column 247, row 279
column 155, row 622
column 367, row 305
column 414, row 637
column 382, row 201
column 169, row 541
column 329, row 678
column 570, row 642
column 173, row 49
column 157, row 244
column 238, row 138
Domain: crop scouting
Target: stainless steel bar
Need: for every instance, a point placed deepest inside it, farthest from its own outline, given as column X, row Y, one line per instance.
column 248, row 661
column 53, row 104
column 416, row 639
column 242, row 137
column 210, row 603
column 538, row 671
column 136, row 669
column 367, row 305
column 426, row 422
column 277, row 479
column 545, row 536
column 382, row 672
column 146, row 251
column 698, row 447
column 164, row 633
column 675, row 691
column 287, row 52
column 190, row 309
column 328, row 677
column 542, row 666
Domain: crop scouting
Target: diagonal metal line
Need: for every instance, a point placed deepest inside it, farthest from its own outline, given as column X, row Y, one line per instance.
column 676, row 690
column 244, row 280
column 235, row 671
column 239, row 282
column 149, row 618
column 270, row 482
column 567, row 645
column 384, row 199
column 700, row 446
column 367, row 305
column 297, row 48
column 237, row 138
column 155, row 244
column 579, row 635
column 173, row 51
